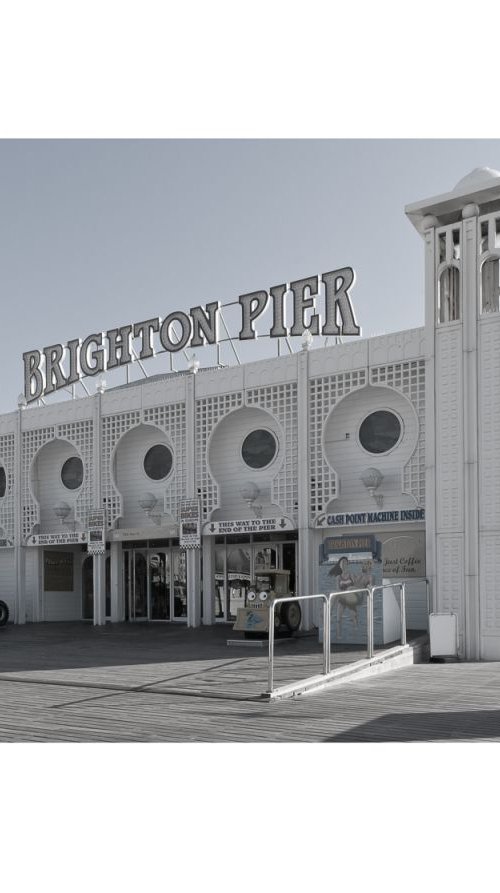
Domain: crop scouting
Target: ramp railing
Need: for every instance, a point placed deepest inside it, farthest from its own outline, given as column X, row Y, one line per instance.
column 294, row 598
column 328, row 599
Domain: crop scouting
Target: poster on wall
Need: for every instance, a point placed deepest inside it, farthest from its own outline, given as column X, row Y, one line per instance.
column 58, row 571
column 96, row 524
column 189, row 524
column 347, row 564
column 404, row 556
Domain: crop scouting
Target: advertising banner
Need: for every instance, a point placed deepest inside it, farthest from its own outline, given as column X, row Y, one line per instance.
column 190, row 524
column 96, row 532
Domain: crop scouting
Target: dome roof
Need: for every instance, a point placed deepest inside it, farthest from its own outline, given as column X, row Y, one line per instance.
column 479, row 178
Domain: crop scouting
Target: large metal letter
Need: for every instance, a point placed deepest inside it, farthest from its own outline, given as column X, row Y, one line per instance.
column 144, row 330
column 337, row 285
column 279, row 329
column 73, row 348
column 119, row 342
column 252, row 306
column 206, row 322
column 54, row 376
column 97, row 355
column 165, row 338
column 32, row 372
column 300, row 304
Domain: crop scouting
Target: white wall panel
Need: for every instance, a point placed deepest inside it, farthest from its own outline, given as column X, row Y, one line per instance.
column 450, row 573
column 8, row 580
column 449, row 432
column 489, row 424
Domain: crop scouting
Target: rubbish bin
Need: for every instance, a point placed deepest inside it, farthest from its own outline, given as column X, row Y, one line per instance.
column 443, row 634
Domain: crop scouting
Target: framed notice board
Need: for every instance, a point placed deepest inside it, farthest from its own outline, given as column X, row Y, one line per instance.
column 58, row 571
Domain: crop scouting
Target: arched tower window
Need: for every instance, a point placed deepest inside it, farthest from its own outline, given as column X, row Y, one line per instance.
column 449, row 295
column 490, row 285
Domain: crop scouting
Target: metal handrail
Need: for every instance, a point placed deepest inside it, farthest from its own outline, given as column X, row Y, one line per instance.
column 402, row 603
column 369, row 616
column 327, row 603
column 281, row 600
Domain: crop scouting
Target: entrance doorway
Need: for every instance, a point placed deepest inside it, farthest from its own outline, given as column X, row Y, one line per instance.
column 237, row 561
column 88, row 588
column 155, row 584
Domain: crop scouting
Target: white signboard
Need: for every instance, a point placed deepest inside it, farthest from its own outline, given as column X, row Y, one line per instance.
column 189, row 524
column 96, row 532
column 353, row 519
column 143, row 533
column 57, row 539
column 248, row 525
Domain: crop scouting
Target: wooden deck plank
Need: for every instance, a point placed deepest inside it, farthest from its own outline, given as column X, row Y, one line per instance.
column 426, row 702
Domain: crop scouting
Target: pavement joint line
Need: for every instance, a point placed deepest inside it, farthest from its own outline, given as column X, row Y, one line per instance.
column 139, row 689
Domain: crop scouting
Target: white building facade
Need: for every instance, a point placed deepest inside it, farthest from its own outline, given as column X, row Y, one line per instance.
column 392, row 438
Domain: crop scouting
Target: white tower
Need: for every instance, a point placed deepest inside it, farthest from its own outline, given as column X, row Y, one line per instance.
column 461, row 230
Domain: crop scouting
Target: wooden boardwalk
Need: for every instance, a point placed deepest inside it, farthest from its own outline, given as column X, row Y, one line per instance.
column 71, row 682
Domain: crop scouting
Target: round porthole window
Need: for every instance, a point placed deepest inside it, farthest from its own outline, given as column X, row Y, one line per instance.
column 3, row 481
column 72, row 473
column 158, row 462
column 259, row 448
column 380, row 431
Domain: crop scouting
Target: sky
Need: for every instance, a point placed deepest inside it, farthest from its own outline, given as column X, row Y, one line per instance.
column 101, row 233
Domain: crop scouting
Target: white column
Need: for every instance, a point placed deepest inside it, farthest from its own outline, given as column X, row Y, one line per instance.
column 208, row 580
column 193, row 587
column 430, row 410
column 99, row 589
column 99, row 560
column 38, row 606
column 471, row 429
column 20, row 607
column 305, row 554
column 192, row 555
column 117, row 594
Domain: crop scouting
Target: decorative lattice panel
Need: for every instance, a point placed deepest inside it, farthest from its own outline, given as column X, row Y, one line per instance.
column 81, row 435
column 7, row 502
column 172, row 420
column 408, row 377
column 209, row 412
column 450, row 567
column 324, row 394
column 489, row 545
column 281, row 402
column 113, row 428
column 32, row 442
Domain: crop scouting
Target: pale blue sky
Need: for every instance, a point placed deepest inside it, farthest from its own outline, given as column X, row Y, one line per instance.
column 95, row 234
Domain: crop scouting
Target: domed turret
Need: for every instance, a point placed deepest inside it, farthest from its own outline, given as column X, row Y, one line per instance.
column 480, row 176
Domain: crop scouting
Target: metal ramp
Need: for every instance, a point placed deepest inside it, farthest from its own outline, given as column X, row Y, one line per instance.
column 384, row 661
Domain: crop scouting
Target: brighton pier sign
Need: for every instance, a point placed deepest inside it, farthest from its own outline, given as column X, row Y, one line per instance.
column 58, row 366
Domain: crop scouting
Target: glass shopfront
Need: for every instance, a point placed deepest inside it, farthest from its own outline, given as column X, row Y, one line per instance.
column 155, row 581
column 238, row 559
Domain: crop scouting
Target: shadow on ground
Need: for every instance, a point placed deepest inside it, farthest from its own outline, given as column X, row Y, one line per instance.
column 430, row 726
column 58, row 646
